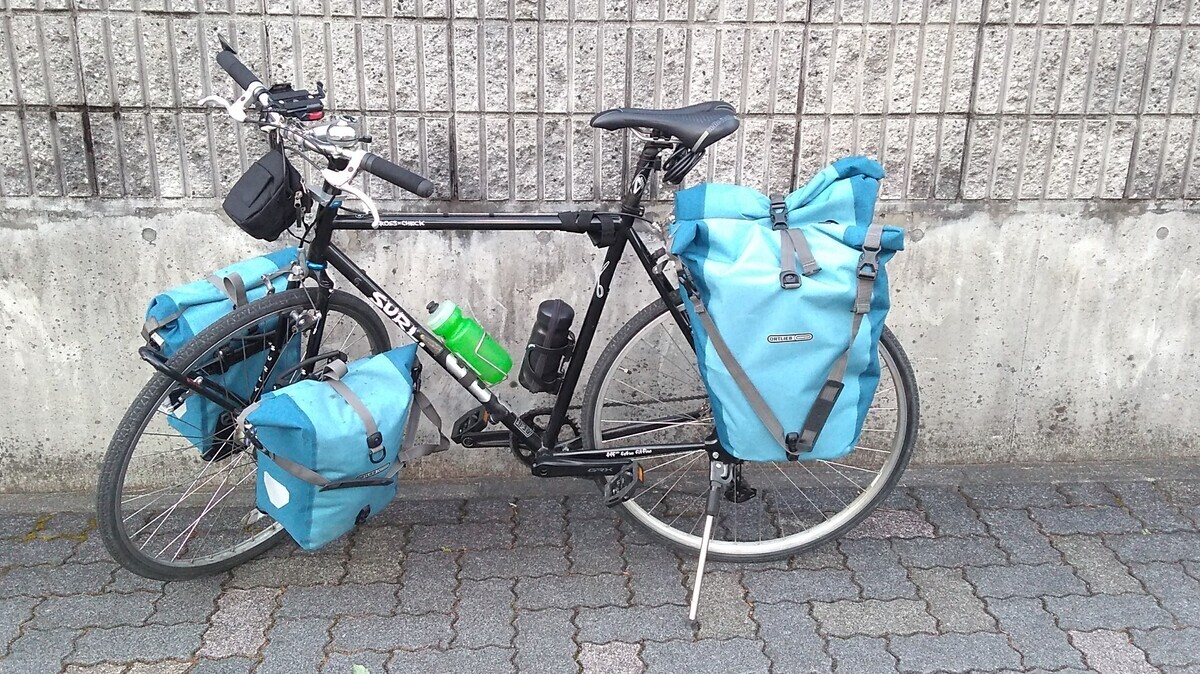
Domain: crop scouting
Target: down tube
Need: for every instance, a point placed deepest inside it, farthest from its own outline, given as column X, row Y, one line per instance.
column 430, row 344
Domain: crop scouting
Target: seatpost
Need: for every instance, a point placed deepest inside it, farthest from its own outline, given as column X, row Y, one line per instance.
column 646, row 164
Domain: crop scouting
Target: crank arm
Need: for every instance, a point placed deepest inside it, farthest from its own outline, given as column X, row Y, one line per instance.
column 499, row 438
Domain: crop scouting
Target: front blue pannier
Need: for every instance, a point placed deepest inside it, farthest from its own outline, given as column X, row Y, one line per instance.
column 176, row 316
column 788, row 352
column 179, row 314
column 329, row 449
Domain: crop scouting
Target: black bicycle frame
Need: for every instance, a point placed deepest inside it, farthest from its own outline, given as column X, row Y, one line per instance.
column 614, row 231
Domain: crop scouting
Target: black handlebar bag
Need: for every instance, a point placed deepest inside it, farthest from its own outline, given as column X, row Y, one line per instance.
column 268, row 198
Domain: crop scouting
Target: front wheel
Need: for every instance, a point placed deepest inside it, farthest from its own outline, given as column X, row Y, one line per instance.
column 176, row 500
column 648, row 373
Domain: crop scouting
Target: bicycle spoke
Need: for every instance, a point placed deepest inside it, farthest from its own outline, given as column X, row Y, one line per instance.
column 673, row 485
column 628, row 385
column 844, row 476
column 173, row 508
column 665, row 427
column 213, row 501
column 666, row 463
column 822, row 482
column 186, row 423
column 783, row 506
column 166, row 514
column 801, row 492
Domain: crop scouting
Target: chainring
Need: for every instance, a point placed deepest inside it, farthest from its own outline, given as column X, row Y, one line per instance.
column 530, row 418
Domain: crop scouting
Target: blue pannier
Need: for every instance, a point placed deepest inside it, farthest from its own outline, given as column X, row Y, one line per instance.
column 787, row 299
column 177, row 315
column 207, row 425
column 330, row 448
column 181, row 313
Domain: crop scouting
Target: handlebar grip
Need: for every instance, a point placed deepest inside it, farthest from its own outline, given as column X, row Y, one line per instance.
column 397, row 175
column 231, row 64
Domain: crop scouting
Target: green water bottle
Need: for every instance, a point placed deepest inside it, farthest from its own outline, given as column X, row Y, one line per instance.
column 468, row 340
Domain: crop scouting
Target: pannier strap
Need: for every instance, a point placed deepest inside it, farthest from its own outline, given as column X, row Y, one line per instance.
column 233, row 286
column 152, row 325
column 803, row 442
column 790, row 247
column 760, row 407
column 410, row 452
column 818, row 414
column 332, row 374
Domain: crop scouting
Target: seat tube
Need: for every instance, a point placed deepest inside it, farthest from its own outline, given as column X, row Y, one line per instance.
column 630, row 207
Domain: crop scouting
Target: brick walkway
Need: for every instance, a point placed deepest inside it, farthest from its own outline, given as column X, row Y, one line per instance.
column 999, row 573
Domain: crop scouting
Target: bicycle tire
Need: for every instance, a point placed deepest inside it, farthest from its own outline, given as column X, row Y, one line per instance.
column 142, row 410
column 901, row 368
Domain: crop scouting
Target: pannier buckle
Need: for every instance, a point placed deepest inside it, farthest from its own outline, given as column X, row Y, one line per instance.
column 778, row 212
column 793, row 445
column 375, row 445
column 868, row 265
column 789, row 279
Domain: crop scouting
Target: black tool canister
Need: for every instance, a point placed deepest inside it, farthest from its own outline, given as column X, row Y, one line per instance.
column 549, row 344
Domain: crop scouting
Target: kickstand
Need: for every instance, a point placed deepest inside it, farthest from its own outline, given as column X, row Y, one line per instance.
column 720, row 475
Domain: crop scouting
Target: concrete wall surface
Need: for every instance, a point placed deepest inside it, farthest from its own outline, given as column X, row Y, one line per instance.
column 1043, row 156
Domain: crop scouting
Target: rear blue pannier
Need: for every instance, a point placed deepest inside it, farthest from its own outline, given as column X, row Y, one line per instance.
column 788, row 352
column 330, row 448
column 176, row 316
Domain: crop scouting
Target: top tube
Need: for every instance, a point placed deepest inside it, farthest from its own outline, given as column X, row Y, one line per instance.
column 532, row 222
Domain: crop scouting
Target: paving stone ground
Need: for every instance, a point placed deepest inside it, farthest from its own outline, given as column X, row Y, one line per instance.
column 1035, row 571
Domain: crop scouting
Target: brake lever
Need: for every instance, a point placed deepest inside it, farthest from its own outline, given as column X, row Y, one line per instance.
column 341, row 179
column 237, row 108
column 375, row 221
column 237, row 114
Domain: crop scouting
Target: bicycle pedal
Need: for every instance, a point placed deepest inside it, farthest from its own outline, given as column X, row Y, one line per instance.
column 469, row 431
column 473, row 421
column 619, row 488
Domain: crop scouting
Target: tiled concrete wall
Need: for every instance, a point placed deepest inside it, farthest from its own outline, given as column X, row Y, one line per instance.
column 1041, row 154
column 962, row 99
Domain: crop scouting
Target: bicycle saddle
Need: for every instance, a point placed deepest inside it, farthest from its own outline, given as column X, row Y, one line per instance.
column 698, row 126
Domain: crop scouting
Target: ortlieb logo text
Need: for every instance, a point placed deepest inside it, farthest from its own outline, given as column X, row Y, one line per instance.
column 784, row 339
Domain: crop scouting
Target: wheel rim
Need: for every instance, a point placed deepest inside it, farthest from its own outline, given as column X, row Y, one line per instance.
column 798, row 503
column 176, row 509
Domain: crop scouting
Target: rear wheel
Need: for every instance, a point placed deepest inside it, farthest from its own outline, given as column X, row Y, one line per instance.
column 648, row 373
column 167, row 510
